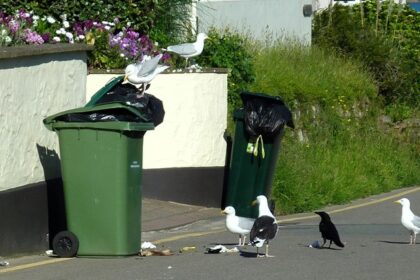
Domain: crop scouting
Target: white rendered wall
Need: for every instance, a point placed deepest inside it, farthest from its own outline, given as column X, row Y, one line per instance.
column 32, row 88
column 258, row 18
column 191, row 134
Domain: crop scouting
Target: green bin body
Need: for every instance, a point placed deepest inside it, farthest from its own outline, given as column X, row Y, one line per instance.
column 252, row 174
column 101, row 164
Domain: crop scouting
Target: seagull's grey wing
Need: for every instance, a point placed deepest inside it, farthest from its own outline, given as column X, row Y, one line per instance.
column 148, row 66
column 416, row 221
column 183, row 49
column 246, row 223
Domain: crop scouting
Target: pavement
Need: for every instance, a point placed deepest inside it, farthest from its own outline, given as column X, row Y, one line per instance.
column 159, row 214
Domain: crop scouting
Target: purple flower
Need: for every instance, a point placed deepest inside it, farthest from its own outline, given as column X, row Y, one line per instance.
column 14, row 26
column 132, row 34
column 166, row 57
column 32, row 37
column 46, row 37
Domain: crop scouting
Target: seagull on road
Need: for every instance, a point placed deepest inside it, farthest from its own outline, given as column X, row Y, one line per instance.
column 188, row 50
column 409, row 220
column 265, row 226
column 237, row 224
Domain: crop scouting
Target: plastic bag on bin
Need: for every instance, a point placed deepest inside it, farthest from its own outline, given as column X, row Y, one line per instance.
column 265, row 115
column 148, row 105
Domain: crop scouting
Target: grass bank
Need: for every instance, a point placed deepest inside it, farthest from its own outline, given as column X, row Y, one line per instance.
column 337, row 151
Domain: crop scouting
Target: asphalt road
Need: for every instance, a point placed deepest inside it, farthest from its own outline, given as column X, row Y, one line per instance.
column 376, row 248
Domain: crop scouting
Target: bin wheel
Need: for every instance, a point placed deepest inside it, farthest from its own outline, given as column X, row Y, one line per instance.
column 65, row 244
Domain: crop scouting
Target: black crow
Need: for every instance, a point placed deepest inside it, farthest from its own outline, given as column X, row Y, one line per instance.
column 328, row 230
column 265, row 226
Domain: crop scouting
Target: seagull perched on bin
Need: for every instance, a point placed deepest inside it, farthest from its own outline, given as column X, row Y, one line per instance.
column 188, row 50
column 237, row 224
column 142, row 73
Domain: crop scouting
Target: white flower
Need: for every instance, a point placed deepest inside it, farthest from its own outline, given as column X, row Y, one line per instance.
column 63, row 17
column 81, row 37
column 122, row 55
column 7, row 39
column 3, row 32
column 105, row 22
column 35, row 17
column 69, row 35
column 66, row 24
column 156, row 44
column 56, row 39
column 107, row 27
column 50, row 19
column 61, row 31
column 128, row 24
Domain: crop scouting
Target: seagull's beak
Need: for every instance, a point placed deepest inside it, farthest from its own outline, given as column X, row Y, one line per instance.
column 125, row 80
column 253, row 203
column 397, row 201
column 223, row 212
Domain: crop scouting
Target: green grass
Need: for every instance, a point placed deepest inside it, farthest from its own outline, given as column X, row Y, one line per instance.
column 299, row 72
column 336, row 170
column 344, row 155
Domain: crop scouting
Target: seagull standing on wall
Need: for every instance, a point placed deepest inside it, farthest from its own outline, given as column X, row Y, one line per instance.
column 188, row 50
column 409, row 220
column 236, row 224
column 265, row 226
column 141, row 74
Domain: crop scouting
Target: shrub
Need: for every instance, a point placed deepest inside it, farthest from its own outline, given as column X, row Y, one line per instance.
column 385, row 37
column 229, row 49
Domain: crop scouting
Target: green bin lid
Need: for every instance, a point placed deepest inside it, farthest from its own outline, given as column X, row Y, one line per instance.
column 104, row 90
column 54, row 122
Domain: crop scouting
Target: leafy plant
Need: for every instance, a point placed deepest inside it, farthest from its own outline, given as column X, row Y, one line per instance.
column 229, row 49
column 384, row 36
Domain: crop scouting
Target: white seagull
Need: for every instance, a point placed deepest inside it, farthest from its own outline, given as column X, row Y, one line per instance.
column 409, row 220
column 237, row 224
column 141, row 74
column 265, row 226
column 188, row 50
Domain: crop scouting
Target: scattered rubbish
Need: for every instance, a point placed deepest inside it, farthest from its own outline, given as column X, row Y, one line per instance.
column 221, row 249
column 148, row 253
column 49, row 253
column 316, row 244
column 187, row 249
column 4, row 263
column 148, row 245
column 169, row 267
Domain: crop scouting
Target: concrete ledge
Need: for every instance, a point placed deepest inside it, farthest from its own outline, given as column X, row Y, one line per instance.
column 33, row 50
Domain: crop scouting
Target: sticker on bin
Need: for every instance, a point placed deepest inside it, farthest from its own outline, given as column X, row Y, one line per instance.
column 250, row 148
column 135, row 164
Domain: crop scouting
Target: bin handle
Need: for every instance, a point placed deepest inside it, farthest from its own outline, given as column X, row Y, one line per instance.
column 255, row 152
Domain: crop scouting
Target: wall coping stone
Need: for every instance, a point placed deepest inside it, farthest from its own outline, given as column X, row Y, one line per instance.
column 34, row 50
column 169, row 71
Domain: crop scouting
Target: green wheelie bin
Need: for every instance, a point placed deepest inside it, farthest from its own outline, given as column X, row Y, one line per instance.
column 259, row 127
column 101, row 165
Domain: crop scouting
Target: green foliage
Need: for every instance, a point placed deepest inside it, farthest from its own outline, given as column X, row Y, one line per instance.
column 228, row 49
column 336, row 153
column 163, row 20
column 297, row 72
column 356, row 162
column 385, row 37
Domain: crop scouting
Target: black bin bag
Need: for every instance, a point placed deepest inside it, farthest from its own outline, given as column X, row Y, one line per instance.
column 265, row 115
column 148, row 105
